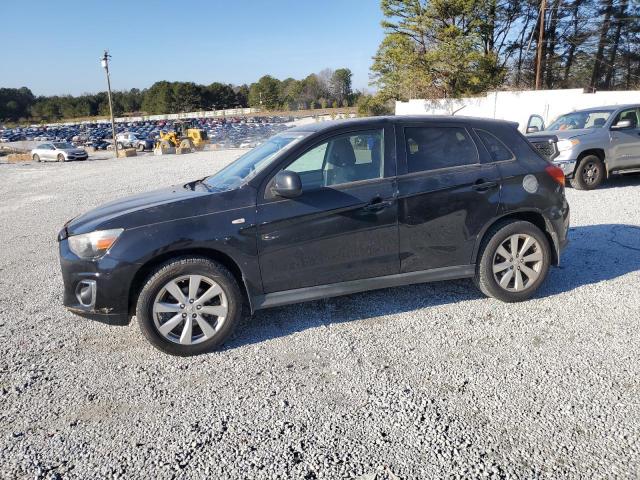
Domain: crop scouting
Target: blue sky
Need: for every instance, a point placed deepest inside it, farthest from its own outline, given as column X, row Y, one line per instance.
column 54, row 46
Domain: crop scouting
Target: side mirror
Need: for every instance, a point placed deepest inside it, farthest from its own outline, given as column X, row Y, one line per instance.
column 621, row 124
column 287, row 184
column 532, row 130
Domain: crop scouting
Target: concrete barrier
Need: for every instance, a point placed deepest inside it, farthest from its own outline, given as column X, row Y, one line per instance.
column 519, row 105
column 127, row 152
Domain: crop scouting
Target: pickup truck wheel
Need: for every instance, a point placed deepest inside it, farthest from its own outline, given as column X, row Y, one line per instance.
column 589, row 174
column 189, row 306
column 514, row 260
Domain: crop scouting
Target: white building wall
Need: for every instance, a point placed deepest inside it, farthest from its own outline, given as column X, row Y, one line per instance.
column 518, row 106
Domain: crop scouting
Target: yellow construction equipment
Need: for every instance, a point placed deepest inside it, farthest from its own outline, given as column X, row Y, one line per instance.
column 184, row 136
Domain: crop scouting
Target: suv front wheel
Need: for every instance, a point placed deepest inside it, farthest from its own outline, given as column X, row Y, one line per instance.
column 514, row 261
column 189, row 306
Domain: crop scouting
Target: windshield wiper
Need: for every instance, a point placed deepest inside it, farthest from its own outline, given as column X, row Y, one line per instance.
column 192, row 185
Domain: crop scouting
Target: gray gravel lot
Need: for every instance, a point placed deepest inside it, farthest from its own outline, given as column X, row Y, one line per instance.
column 426, row 381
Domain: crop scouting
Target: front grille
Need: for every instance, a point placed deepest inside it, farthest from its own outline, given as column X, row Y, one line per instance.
column 546, row 148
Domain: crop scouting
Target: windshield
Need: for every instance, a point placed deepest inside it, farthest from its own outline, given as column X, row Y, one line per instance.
column 63, row 145
column 252, row 162
column 578, row 120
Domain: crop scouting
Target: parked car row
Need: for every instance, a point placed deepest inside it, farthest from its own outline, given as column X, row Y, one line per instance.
column 228, row 131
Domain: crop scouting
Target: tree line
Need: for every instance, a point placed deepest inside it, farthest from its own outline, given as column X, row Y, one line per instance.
column 452, row 48
column 431, row 49
column 328, row 88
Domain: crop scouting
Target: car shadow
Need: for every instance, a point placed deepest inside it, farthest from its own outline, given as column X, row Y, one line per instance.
column 595, row 253
column 618, row 180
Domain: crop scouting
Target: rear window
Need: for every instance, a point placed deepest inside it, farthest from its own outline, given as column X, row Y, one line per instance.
column 433, row 148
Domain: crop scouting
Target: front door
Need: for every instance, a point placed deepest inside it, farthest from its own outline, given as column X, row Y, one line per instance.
column 445, row 195
column 625, row 142
column 343, row 226
column 49, row 152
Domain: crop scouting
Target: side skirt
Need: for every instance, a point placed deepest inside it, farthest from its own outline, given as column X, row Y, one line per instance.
column 305, row 294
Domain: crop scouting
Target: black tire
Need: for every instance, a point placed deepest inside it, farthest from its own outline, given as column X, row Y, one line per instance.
column 174, row 269
column 36, row 157
column 485, row 279
column 60, row 157
column 589, row 174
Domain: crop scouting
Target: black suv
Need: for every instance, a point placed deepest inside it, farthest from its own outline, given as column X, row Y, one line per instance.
column 317, row 211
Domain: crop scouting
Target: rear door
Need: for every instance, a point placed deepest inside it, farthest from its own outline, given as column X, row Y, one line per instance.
column 344, row 225
column 625, row 142
column 447, row 192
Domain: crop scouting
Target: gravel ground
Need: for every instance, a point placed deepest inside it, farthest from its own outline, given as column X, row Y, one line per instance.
column 426, row 381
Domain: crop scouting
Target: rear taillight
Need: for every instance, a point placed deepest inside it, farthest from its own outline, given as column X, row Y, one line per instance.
column 556, row 173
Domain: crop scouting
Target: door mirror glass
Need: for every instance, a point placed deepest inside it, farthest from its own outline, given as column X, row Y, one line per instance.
column 626, row 119
column 287, row 184
column 622, row 124
column 535, row 124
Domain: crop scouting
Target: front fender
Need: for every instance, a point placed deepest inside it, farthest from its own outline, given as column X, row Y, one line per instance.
column 213, row 232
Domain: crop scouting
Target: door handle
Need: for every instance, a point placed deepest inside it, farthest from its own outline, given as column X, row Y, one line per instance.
column 482, row 185
column 377, row 204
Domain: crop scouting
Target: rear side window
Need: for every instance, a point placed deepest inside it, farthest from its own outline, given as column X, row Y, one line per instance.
column 499, row 151
column 433, row 148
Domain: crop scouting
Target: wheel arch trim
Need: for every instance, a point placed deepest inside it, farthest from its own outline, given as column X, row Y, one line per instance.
column 533, row 216
column 215, row 255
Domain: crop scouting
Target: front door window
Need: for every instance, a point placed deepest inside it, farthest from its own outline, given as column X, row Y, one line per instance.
column 346, row 158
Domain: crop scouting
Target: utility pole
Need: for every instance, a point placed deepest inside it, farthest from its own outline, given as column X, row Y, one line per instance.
column 543, row 8
column 105, row 65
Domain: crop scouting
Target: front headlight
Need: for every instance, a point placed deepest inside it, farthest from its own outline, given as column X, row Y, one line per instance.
column 94, row 244
column 564, row 145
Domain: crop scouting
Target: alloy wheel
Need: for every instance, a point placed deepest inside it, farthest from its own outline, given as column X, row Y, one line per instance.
column 590, row 173
column 517, row 262
column 190, row 309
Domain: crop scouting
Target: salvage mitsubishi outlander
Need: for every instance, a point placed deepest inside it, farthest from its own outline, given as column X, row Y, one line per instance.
column 318, row 211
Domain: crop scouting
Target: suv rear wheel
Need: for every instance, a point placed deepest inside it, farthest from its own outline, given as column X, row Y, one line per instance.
column 189, row 306
column 514, row 261
column 589, row 174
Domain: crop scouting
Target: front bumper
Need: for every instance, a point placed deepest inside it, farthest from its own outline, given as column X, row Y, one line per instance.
column 78, row 156
column 96, row 289
column 567, row 166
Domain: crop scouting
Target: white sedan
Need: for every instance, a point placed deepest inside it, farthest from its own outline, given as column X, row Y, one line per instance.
column 58, row 151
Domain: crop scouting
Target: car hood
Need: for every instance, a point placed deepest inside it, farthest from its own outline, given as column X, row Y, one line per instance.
column 167, row 204
column 564, row 134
